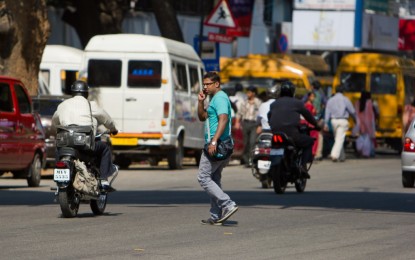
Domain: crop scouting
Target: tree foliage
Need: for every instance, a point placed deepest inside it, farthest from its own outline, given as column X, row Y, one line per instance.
column 21, row 46
column 94, row 17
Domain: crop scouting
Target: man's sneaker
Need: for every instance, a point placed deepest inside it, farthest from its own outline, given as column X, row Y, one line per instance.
column 304, row 172
column 105, row 186
column 210, row 221
column 227, row 213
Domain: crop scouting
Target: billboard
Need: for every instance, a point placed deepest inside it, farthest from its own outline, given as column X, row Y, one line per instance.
column 380, row 32
column 325, row 4
column 323, row 30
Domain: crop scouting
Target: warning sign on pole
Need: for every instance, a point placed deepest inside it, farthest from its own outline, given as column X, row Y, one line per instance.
column 221, row 16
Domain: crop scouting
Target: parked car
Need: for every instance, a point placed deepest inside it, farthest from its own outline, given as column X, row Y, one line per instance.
column 408, row 157
column 45, row 106
column 22, row 142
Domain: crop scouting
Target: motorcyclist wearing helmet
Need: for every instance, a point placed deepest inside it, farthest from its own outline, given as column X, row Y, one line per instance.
column 284, row 116
column 79, row 111
column 262, row 119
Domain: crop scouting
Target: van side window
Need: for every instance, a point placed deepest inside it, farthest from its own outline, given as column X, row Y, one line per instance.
column 383, row 83
column 353, row 82
column 6, row 103
column 194, row 80
column 180, row 78
column 144, row 73
column 67, row 78
column 23, row 99
column 104, row 73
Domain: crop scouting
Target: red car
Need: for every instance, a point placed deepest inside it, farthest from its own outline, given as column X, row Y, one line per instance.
column 22, row 140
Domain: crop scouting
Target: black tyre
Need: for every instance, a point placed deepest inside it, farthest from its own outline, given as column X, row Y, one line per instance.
column 280, row 182
column 69, row 204
column 98, row 206
column 408, row 179
column 153, row 161
column 122, row 161
column 300, row 184
column 34, row 172
column 175, row 156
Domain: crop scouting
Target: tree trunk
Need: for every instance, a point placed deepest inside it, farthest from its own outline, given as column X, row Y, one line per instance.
column 22, row 46
column 94, row 17
column 167, row 20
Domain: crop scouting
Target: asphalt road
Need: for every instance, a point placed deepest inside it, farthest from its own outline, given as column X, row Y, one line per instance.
column 352, row 210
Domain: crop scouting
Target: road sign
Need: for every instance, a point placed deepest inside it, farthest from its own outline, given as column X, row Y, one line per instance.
column 221, row 16
column 210, row 53
column 216, row 37
column 283, row 43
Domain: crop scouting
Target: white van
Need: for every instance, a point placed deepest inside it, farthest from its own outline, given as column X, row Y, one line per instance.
column 149, row 85
column 60, row 67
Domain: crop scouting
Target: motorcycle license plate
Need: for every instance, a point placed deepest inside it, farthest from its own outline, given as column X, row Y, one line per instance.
column 279, row 151
column 264, row 164
column 61, row 175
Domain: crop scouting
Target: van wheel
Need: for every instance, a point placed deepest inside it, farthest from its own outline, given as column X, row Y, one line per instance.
column 175, row 156
column 122, row 161
column 408, row 179
column 34, row 172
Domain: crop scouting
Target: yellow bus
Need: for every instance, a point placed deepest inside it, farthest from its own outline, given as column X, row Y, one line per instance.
column 315, row 63
column 390, row 80
column 259, row 68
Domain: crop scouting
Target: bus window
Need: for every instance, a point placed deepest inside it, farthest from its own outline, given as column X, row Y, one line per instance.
column 353, row 82
column 409, row 89
column 383, row 83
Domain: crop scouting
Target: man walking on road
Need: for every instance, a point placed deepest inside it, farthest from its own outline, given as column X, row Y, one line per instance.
column 217, row 128
column 338, row 110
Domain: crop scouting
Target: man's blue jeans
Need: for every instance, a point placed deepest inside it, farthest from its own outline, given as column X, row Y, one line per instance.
column 209, row 177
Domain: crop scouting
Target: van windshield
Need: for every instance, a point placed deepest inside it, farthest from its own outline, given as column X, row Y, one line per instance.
column 383, row 83
column 353, row 82
column 104, row 73
column 144, row 73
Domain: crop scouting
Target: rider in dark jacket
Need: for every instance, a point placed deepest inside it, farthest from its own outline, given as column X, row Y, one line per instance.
column 284, row 116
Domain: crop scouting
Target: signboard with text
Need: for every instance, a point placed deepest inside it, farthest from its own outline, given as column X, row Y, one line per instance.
column 327, row 30
column 216, row 37
column 242, row 13
column 210, row 53
column 326, row 4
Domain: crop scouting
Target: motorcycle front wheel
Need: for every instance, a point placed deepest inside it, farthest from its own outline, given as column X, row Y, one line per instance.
column 69, row 204
column 280, row 182
column 98, row 206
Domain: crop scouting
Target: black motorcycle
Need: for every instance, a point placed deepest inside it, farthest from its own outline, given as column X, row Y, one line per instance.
column 77, row 172
column 286, row 162
column 261, row 161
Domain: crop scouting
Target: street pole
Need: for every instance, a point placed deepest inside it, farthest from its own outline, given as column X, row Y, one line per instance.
column 201, row 27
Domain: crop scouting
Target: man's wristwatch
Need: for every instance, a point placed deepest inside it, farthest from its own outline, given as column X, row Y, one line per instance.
column 213, row 143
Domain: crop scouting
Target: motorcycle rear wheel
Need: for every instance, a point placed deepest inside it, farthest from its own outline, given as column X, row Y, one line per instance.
column 69, row 204
column 280, row 182
column 98, row 206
